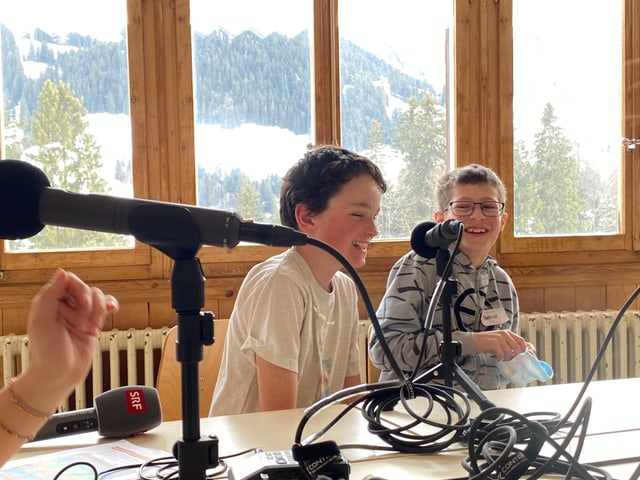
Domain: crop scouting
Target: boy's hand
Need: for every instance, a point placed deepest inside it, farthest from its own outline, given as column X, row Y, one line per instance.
column 504, row 344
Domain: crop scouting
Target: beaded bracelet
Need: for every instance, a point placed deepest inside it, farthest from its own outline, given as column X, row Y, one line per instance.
column 32, row 412
column 11, row 433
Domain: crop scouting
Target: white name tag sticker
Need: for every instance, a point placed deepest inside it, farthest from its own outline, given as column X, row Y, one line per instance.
column 495, row 316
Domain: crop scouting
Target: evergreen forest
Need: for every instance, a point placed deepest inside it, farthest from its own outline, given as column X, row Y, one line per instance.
column 551, row 181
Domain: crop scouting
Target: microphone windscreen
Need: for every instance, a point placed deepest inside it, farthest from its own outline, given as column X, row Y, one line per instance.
column 419, row 240
column 127, row 411
column 21, row 185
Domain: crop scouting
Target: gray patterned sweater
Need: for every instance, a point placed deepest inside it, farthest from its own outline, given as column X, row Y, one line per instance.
column 403, row 309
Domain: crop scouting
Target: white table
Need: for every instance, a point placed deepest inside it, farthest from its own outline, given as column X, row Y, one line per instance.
column 614, row 432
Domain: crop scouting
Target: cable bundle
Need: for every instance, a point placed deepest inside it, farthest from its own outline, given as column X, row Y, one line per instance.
column 502, row 444
column 505, row 445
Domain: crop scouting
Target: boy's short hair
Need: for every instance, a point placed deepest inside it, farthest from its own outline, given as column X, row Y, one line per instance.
column 318, row 176
column 472, row 174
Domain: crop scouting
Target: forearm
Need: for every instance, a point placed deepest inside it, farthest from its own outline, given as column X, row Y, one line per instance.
column 402, row 313
column 352, row 381
column 23, row 411
column 405, row 349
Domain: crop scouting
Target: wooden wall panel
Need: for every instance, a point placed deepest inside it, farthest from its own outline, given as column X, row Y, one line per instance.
column 617, row 295
column 132, row 315
column 562, row 298
column 225, row 306
column 161, row 314
column 591, row 297
column 14, row 319
column 531, row 299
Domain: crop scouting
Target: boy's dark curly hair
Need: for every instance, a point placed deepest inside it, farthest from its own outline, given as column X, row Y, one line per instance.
column 318, row 176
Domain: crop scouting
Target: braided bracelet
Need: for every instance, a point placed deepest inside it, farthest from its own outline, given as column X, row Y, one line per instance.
column 11, row 433
column 32, row 412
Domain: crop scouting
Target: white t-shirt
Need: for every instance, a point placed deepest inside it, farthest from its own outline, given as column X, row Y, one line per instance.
column 284, row 316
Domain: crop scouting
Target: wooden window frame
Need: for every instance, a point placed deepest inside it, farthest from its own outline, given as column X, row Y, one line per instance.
column 483, row 32
column 163, row 137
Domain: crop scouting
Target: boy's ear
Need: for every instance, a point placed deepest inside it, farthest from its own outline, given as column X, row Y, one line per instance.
column 438, row 217
column 503, row 220
column 304, row 218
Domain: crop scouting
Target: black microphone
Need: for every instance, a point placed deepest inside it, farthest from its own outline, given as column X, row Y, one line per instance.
column 120, row 412
column 428, row 237
column 27, row 203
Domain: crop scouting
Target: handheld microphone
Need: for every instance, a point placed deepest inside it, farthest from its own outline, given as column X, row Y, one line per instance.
column 28, row 203
column 120, row 412
column 428, row 237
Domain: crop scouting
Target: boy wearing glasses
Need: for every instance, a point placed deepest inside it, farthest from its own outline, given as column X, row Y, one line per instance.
column 484, row 303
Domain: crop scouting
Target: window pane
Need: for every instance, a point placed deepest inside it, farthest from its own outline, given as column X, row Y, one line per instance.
column 252, row 76
column 65, row 97
column 567, row 116
column 394, row 90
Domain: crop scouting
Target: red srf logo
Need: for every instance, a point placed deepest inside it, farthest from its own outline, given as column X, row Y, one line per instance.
column 135, row 401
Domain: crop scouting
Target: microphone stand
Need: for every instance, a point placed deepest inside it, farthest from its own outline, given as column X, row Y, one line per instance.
column 447, row 369
column 195, row 329
column 176, row 234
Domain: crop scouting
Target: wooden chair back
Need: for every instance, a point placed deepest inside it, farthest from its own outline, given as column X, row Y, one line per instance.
column 169, row 382
column 372, row 371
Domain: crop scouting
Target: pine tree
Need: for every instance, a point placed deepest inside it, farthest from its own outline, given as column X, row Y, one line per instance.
column 248, row 201
column 12, row 140
column 598, row 196
column 556, row 201
column 420, row 134
column 67, row 153
column 383, row 155
column 523, row 192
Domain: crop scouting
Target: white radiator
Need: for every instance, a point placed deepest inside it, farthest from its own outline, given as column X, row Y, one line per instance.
column 570, row 341
column 125, row 357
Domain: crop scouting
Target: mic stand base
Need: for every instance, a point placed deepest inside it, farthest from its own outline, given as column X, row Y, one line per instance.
column 195, row 456
column 454, row 373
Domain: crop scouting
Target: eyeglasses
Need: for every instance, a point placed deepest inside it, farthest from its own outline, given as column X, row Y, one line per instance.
column 465, row 209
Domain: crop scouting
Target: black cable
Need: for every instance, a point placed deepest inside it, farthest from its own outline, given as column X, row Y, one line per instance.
column 365, row 297
column 539, row 466
column 158, row 466
column 448, row 401
column 77, row 464
column 499, row 440
column 163, row 468
column 495, row 434
column 387, row 393
column 599, row 356
column 167, row 468
column 636, row 473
